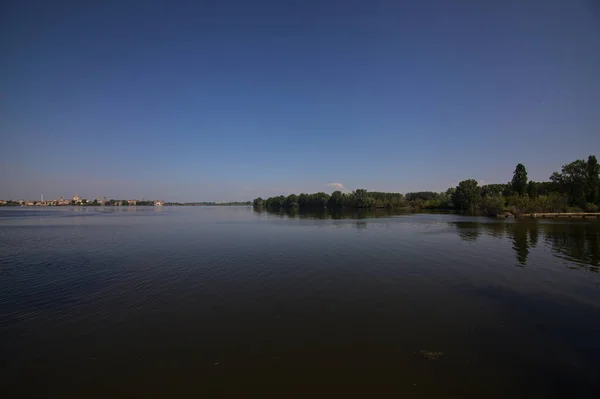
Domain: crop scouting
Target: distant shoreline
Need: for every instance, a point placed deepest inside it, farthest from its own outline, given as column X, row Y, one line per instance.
column 119, row 206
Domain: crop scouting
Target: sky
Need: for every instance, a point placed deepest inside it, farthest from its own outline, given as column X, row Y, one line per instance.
column 232, row 100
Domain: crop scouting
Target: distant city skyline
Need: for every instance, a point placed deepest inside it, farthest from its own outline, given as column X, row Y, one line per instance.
column 229, row 101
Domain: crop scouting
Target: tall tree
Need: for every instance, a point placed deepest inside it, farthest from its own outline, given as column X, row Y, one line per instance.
column 466, row 196
column 572, row 180
column 593, row 180
column 519, row 180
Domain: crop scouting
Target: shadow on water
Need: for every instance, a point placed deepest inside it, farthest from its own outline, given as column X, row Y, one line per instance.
column 575, row 241
column 325, row 213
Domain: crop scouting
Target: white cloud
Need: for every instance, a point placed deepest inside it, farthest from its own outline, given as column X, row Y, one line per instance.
column 337, row 186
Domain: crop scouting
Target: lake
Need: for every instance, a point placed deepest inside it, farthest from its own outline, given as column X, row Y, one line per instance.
column 228, row 301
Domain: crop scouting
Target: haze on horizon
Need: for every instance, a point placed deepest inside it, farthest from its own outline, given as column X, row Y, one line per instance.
column 231, row 100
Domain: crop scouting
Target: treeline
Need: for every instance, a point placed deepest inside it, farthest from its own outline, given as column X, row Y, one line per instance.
column 575, row 188
column 357, row 199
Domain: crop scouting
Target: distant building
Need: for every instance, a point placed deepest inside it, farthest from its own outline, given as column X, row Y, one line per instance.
column 76, row 198
column 159, row 203
column 132, row 202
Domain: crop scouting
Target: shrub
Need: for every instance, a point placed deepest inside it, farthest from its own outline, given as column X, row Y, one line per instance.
column 557, row 202
column 591, row 207
column 432, row 204
column 492, row 206
column 518, row 204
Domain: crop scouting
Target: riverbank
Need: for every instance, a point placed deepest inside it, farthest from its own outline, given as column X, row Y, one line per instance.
column 547, row 215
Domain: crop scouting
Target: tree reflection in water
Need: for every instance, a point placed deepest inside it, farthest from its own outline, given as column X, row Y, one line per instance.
column 576, row 241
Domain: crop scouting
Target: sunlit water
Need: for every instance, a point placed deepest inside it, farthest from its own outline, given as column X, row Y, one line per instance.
column 224, row 300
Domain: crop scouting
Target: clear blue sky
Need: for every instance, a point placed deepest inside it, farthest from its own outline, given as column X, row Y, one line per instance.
column 230, row 100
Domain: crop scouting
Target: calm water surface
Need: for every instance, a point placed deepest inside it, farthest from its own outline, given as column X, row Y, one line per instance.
column 227, row 301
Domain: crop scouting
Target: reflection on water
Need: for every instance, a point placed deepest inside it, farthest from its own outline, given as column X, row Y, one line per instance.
column 577, row 241
column 517, row 232
column 325, row 213
column 361, row 224
column 469, row 231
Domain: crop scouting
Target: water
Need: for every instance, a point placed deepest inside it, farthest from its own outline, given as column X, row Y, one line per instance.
column 224, row 300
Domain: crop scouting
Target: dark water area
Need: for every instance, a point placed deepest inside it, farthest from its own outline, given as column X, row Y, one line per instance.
column 226, row 301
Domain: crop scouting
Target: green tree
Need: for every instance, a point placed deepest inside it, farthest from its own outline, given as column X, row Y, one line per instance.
column 444, row 200
column 492, row 206
column 593, row 180
column 508, row 190
column 492, row 190
column 280, row 201
column 258, row 203
column 519, row 180
column 125, row 203
column 573, row 181
column 557, row 202
column 423, row 195
column 336, row 200
column 303, row 200
column 532, row 189
column 449, row 194
column 467, row 194
column 291, row 201
column 362, row 199
column 519, row 204
column 321, row 199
